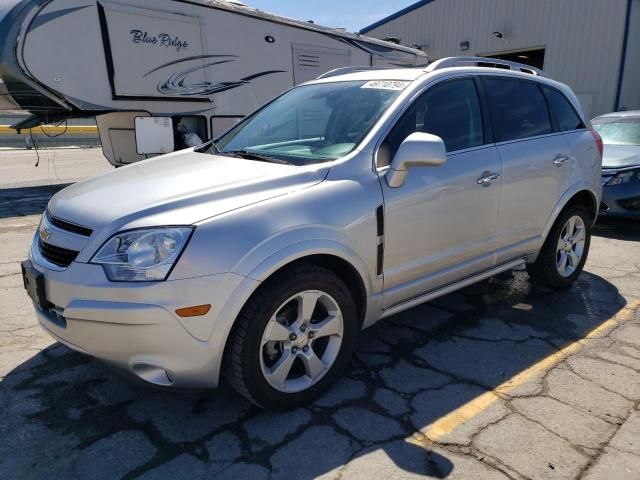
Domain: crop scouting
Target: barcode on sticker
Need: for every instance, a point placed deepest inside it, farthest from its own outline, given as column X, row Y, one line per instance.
column 386, row 84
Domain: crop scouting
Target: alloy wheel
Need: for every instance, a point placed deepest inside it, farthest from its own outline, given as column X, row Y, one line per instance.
column 301, row 341
column 570, row 246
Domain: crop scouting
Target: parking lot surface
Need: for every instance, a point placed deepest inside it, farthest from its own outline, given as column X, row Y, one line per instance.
column 500, row 380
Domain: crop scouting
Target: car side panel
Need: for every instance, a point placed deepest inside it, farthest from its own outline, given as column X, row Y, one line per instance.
column 588, row 162
column 440, row 225
column 531, row 186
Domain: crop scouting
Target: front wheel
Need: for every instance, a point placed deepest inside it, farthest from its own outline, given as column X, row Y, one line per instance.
column 293, row 339
column 565, row 251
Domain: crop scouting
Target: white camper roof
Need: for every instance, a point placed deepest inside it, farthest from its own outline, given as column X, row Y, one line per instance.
column 243, row 9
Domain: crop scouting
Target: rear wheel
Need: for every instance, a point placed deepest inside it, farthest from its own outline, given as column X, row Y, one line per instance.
column 565, row 251
column 293, row 339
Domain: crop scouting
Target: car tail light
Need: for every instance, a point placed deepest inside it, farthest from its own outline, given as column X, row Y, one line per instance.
column 598, row 139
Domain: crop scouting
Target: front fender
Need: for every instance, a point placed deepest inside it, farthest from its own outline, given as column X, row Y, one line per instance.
column 257, row 267
column 260, row 266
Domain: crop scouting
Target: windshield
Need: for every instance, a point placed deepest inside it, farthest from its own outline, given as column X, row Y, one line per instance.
column 312, row 123
column 618, row 131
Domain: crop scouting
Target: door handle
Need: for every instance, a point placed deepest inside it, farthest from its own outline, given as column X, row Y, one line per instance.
column 560, row 160
column 488, row 177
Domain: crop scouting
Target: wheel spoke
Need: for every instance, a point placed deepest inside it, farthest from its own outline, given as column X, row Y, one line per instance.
column 571, row 227
column 307, row 305
column 280, row 371
column 574, row 259
column 312, row 364
column 562, row 264
column 578, row 236
column 276, row 332
column 332, row 325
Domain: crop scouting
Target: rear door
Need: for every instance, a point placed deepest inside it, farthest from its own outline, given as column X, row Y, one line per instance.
column 536, row 162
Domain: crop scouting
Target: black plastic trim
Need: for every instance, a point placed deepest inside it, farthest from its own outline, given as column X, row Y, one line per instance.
column 380, row 232
column 68, row 226
column 380, row 259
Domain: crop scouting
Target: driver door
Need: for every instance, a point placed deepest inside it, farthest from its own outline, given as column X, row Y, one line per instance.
column 440, row 226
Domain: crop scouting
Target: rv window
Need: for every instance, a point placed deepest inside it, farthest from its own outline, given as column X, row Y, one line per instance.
column 190, row 131
column 313, row 123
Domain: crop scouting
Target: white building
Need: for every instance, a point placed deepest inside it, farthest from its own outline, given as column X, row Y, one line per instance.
column 591, row 45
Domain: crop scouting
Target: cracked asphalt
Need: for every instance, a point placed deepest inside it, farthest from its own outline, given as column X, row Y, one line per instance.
column 500, row 380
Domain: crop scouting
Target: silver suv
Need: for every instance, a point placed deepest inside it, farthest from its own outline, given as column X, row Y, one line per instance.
column 345, row 200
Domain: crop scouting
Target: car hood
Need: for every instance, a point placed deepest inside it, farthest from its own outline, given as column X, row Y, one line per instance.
column 620, row 156
column 181, row 188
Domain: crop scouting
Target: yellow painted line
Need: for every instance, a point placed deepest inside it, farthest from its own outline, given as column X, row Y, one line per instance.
column 51, row 130
column 447, row 424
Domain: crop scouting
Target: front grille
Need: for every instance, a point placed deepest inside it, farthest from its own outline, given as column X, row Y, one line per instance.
column 57, row 255
column 68, row 226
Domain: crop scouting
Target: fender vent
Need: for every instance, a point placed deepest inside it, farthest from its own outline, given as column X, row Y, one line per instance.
column 380, row 232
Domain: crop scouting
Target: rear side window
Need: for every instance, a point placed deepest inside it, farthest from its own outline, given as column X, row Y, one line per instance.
column 450, row 110
column 519, row 109
column 565, row 114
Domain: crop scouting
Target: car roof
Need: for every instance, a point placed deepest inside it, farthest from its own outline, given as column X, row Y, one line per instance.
column 407, row 74
column 415, row 73
column 624, row 114
column 443, row 68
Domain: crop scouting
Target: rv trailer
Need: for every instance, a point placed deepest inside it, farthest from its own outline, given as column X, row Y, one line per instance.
column 162, row 75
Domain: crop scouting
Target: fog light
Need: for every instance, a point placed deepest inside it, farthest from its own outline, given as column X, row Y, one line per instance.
column 630, row 203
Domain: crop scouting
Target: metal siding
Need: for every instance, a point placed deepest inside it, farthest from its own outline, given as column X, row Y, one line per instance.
column 630, row 94
column 582, row 38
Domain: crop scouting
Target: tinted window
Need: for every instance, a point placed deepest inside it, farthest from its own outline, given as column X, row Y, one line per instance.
column 450, row 111
column 566, row 116
column 519, row 109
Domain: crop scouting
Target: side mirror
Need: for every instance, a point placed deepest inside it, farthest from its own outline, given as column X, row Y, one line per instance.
column 418, row 150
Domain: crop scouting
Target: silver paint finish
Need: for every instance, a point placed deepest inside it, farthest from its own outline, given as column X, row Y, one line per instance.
column 443, row 230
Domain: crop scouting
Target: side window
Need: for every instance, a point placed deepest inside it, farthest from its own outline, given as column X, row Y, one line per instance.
column 450, row 110
column 565, row 114
column 519, row 109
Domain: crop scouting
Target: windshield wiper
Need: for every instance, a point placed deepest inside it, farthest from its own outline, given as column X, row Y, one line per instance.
column 257, row 156
column 211, row 147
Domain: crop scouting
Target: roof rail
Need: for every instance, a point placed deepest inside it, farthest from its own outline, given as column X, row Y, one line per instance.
column 344, row 70
column 450, row 62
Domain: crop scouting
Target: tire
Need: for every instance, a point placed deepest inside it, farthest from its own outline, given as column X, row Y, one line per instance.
column 547, row 270
column 255, row 363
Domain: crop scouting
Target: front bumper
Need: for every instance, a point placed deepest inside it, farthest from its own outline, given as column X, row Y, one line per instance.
column 133, row 326
column 621, row 200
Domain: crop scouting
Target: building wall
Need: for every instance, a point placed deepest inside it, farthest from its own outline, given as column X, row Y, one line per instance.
column 630, row 94
column 582, row 38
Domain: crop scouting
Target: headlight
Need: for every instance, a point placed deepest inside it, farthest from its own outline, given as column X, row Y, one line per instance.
column 623, row 177
column 142, row 255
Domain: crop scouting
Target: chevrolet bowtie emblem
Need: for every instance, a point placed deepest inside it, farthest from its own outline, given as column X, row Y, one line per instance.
column 44, row 234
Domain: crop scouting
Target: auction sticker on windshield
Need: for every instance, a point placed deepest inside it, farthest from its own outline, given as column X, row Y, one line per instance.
column 386, row 85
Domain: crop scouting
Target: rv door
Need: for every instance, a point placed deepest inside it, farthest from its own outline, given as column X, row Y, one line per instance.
column 154, row 135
